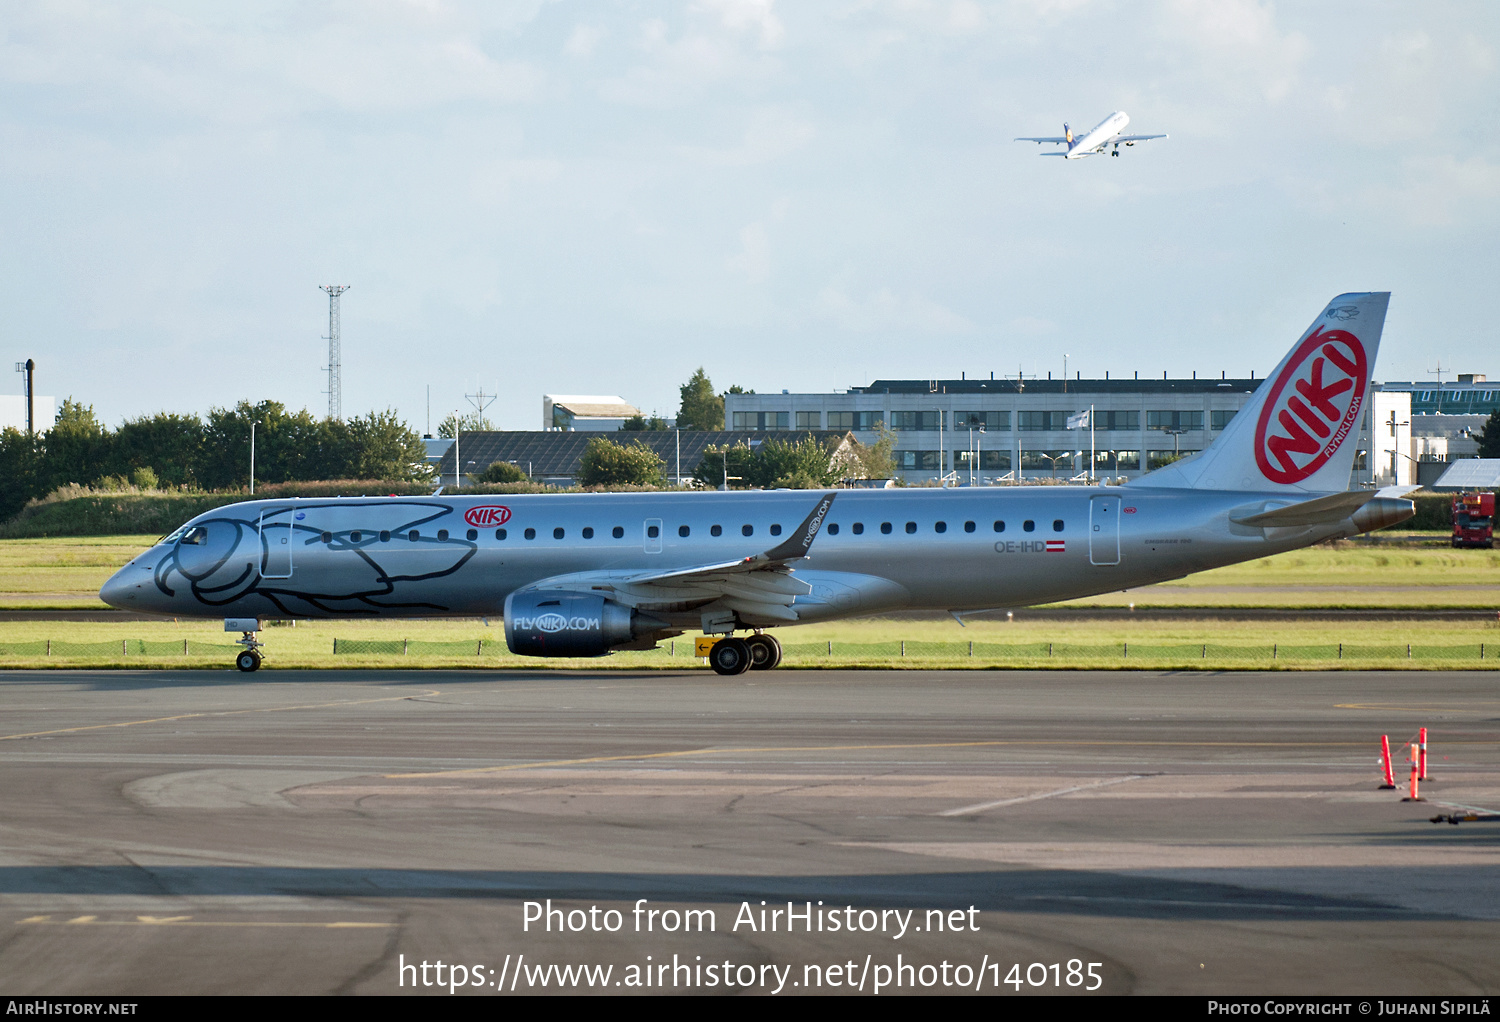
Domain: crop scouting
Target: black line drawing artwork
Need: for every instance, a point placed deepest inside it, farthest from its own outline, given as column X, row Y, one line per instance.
column 212, row 560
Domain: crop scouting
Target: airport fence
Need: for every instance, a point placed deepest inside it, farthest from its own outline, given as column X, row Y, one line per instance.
column 832, row 654
column 809, row 653
column 1125, row 651
column 114, row 648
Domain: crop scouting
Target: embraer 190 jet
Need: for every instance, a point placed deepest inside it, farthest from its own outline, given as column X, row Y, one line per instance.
column 1105, row 135
column 582, row 575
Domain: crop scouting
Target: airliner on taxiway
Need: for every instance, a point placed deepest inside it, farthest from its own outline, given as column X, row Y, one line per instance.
column 1105, row 135
column 585, row 574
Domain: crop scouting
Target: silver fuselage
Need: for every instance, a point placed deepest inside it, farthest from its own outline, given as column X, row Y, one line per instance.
column 879, row 550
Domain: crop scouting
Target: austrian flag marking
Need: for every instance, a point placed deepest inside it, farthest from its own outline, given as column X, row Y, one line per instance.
column 1057, row 546
column 1312, row 406
column 488, row 516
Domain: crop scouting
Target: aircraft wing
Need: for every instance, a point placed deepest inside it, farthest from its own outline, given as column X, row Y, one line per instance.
column 1128, row 139
column 761, row 586
column 1050, row 138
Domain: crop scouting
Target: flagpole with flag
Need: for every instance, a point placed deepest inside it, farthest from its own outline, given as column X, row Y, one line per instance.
column 1079, row 420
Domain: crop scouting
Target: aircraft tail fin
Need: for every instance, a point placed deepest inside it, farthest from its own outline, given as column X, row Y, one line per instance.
column 1067, row 133
column 1300, row 431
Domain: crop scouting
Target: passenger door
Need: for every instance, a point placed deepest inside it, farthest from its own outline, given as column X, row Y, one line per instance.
column 276, row 543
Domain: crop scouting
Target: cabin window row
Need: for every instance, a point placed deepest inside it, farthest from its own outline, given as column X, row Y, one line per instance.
column 653, row 531
column 886, row 528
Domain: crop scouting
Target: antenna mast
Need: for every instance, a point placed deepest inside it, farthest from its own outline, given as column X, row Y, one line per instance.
column 335, row 356
column 480, row 401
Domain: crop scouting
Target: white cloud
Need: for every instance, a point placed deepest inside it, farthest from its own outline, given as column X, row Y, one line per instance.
column 742, row 15
column 883, row 310
column 674, row 67
column 583, row 41
column 770, row 134
column 1439, row 191
column 149, row 62
column 754, row 256
column 1236, row 45
column 1031, row 326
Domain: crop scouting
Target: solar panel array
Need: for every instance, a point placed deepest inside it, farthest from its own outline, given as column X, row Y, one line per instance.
column 553, row 456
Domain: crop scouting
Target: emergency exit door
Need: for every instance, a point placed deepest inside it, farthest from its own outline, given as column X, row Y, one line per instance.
column 1104, row 530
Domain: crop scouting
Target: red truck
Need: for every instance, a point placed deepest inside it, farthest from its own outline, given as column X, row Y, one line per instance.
column 1473, row 519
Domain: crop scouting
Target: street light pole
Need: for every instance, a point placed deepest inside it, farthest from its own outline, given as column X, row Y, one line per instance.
column 1395, row 443
column 253, row 424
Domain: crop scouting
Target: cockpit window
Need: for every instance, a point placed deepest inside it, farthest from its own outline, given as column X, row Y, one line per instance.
column 194, row 536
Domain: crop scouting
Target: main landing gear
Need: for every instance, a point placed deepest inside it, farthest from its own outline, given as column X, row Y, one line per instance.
column 758, row 652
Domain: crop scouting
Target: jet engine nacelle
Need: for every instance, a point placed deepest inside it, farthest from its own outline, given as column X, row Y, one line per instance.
column 560, row 623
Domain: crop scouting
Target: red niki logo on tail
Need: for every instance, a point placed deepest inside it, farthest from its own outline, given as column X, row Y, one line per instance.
column 484, row 517
column 1312, row 406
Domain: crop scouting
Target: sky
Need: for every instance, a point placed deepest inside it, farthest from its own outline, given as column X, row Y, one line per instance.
column 545, row 196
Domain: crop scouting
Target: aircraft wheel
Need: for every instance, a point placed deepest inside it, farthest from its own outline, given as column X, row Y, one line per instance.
column 248, row 661
column 765, row 652
column 730, row 656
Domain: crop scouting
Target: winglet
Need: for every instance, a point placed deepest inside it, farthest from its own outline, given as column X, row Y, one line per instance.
column 800, row 541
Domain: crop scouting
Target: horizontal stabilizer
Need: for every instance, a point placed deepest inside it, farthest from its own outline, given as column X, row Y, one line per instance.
column 1320, row 511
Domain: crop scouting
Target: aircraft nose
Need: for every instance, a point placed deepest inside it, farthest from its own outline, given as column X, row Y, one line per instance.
column 126, row 587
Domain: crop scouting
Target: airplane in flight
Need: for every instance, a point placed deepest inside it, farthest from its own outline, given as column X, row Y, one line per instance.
column 582, row 575
column 1105, row 135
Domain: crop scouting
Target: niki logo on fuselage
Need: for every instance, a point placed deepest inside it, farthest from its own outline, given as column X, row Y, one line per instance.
column 487, row 517
column 1312, row 405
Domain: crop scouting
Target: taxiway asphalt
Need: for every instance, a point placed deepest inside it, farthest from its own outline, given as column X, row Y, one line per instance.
column 314, row 832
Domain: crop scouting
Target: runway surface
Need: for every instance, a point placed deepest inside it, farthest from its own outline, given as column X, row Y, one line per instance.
column 314, row 832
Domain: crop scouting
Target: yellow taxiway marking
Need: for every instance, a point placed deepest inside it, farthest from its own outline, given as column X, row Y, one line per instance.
column 544, row 764
column 190, row 921
column 222, row 713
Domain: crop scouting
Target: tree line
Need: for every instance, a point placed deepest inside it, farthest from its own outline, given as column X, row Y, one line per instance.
column 797, row 463
column 213, row 453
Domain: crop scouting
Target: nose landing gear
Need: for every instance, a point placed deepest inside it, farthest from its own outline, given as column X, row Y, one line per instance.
column 250, row 657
